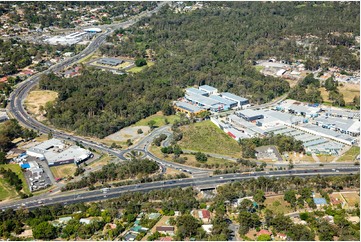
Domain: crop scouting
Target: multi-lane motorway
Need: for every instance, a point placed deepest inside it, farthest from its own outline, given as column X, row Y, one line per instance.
column 16, row 108
column 211, row 181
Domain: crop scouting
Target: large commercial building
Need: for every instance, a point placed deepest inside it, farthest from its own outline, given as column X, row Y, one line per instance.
column 69, row 39
column 208, row 89
column 189, row 109
column 110, row 61
column 250, row 115
column 93, row 30
column 56, row 153
column 195, row 91
column 241, row 101
column 207, row 103
column 207, row 97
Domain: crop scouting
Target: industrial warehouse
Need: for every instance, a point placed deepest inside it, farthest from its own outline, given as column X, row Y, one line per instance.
column 110, row 61
column 56, row 153
column 72, row 38
column 321, row 131
column 207, row 98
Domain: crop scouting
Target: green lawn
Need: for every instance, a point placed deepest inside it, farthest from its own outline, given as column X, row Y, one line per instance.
column 159, row 119
column 139, row 69
column 207, row 137
column 259, row 68
column 277, row 205
column 351, row 154
column 5, row 189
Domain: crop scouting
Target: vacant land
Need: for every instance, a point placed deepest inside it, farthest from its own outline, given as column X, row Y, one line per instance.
column 277, row 205
column 159, row 119
column 137, row 69
column 351, row 198
column 207, row 137
column 63, row 170
column 326, row 158
column 350, row 155
column 99, row 163
column 191, row 160
column 38, row 98
column 128, row 133
column 7, row 191
column 348, row 90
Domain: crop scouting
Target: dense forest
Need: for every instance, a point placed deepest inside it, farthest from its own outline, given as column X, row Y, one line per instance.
column 216, row 45
column 10, row 130
column 100, row 103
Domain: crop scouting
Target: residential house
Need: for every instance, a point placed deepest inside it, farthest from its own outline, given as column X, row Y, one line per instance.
column 282, row 236
column 154, row 215
column 329, row 219
column 204, row 215
column 263, row 231
column 86, row 220
column 165, row 239
column 65, row 220
column 165, row 229
column 207, row 228
column 320, row 202
column 129, row 237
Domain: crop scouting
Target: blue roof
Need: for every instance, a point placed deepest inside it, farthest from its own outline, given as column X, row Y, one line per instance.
column 320, row 201
column 25, row 166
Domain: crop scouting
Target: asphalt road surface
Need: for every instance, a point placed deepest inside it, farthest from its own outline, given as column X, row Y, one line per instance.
column 101, row 194
column 200, row 175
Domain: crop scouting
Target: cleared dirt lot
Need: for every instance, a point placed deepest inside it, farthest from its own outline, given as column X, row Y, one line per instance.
column 128, row 133
column 351, row 198
column 38, row 98
column 63, row 170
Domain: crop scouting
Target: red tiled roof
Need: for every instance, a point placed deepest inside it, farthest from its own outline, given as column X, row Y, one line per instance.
column 4, row 79
column 263, row 231
column 165, row 239
column 206, row 213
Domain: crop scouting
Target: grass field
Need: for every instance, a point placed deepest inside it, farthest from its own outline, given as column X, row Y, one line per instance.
column 351, row 198
column 350, row 155
column 277, row 205
column 349, row 91
column 139, row 69
column 38, row 98
column 207, row 137
column 159, row 119
column 7, row 191
column 63, row 170
column 325, row 158
column 103, row 160
column 259, row 68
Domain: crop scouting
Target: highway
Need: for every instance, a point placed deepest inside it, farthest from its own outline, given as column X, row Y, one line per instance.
column 97, row 195
column 200, row 176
